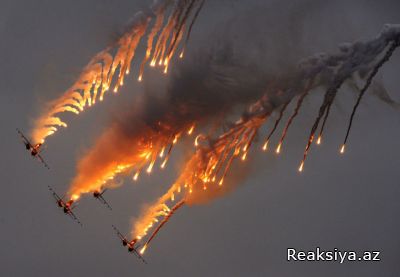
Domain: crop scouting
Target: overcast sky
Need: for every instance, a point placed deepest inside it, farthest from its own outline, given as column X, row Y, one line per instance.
column 349, row 202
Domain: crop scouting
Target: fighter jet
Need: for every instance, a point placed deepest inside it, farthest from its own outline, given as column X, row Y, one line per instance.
column 130, row 244
column 66, row 206
column 34, row 149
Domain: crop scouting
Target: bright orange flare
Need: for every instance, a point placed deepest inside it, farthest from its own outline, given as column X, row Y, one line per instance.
column 278, row 149
column 107, row 69
column 212, row 161
column 205, row 166
column 265, row 146
column 342, row 149
column 136, row 176
column 143, row 250
column 191, row 129
column 142, row 152
column 301, row 166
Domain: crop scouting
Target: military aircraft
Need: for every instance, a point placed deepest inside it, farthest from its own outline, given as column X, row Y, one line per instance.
column 130, row 244
column 34, row 149
column 66, row 206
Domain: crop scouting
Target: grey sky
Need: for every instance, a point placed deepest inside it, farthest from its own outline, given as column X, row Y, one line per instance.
column 349, row 202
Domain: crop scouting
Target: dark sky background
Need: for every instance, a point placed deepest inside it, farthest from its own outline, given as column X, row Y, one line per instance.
column 349, row 202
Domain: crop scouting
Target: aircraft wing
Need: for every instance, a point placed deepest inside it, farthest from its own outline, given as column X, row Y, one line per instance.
column 73, row 216
column 55, row 195
column 23, row 137
column 102, row 200
column 43, row 162
column 121, row 236
column 140, row 257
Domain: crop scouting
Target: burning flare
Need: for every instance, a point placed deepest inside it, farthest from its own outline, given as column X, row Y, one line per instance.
column 209, row 166
column 145, row 150
column 107, row 70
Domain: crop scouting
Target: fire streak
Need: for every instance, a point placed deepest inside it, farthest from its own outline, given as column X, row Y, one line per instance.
column 143, row 157
column 210, row 165
column 107, row 70
column 162, row 223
